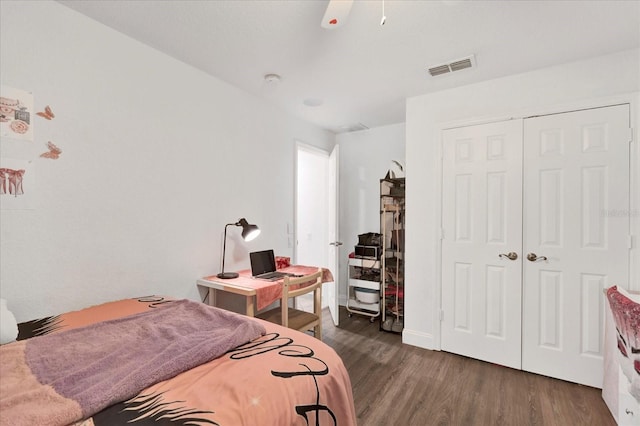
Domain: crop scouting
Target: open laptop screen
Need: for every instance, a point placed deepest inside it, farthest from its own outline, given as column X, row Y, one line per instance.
column 262, row 261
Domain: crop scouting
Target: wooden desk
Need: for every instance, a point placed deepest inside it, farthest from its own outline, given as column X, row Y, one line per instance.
column 259, row 293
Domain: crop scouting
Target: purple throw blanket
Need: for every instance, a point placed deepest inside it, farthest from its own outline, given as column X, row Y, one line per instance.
column 64, row 377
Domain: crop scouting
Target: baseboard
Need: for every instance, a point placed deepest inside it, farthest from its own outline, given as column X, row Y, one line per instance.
column 419, row 339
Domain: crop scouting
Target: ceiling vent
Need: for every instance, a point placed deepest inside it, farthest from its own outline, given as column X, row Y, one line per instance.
column 353, row 128
column 457, row 65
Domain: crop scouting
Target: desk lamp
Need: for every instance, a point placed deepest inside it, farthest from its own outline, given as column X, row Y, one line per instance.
column 249, row 232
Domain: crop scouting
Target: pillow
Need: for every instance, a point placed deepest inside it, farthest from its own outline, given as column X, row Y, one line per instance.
column 8, row 324
column 634, row 296
column 625, row 307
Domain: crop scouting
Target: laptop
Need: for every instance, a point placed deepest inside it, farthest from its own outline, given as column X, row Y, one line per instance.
column 263, row 266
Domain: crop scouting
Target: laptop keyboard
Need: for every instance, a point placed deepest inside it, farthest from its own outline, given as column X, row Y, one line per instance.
column 271, row 275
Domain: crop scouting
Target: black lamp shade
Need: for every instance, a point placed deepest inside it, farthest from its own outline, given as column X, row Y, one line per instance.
column 249, row 232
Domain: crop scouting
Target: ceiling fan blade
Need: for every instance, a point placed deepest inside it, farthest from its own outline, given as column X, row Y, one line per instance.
column 336, row 14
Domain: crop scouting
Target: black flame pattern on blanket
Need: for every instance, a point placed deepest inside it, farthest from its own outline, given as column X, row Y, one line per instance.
column 152, row 410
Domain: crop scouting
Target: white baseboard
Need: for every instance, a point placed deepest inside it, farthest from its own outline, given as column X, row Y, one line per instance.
column 419, row 339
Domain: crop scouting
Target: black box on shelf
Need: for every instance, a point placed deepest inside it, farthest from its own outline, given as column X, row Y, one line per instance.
column 367, row 252
column 370, row 239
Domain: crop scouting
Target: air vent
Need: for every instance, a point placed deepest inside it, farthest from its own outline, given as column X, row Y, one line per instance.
column 460, row 65
column 442, row 69
column 457, row 65
column 352, row 127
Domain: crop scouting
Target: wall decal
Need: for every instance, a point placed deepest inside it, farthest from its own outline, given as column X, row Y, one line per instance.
column 48, row 114
column 16, row 109
column 17, row 182
column 11, row 181
column 53, row 153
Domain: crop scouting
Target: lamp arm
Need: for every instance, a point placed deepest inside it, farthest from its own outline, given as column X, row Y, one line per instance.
column 224, row 244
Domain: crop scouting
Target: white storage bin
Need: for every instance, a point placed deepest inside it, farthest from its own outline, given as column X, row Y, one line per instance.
column 367, row 295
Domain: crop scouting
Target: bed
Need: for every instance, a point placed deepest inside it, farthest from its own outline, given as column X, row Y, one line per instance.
column 145, row 361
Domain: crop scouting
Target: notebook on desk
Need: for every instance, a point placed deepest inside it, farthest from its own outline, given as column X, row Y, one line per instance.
column 263, row 266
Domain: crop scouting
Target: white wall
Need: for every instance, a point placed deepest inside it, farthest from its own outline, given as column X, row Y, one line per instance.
column 574, row 85
column 365, row 157
column 157, row 158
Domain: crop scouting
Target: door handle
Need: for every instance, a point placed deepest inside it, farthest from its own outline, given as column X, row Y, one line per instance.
column 532, row 257
column 512, row 255
column 336, row 243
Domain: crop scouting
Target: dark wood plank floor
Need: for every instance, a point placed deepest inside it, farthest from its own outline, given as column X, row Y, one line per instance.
column 397, row 384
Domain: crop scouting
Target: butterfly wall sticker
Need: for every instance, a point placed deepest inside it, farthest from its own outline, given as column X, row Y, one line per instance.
column 48, row 114
column 54, row 152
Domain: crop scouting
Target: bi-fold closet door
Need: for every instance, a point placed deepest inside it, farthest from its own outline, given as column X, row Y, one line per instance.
column 531, row 238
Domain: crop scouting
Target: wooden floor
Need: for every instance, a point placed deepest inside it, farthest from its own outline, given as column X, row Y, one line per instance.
column 397, row 384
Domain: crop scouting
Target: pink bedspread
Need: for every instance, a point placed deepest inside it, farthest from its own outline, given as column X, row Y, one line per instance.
column 65, row 377
column 282, row 378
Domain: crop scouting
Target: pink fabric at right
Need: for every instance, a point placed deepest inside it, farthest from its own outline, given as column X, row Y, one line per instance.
column 626, row 315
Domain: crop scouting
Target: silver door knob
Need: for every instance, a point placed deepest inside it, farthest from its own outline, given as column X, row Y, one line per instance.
column 512, row 255
column 532, row 257
column 336, row 243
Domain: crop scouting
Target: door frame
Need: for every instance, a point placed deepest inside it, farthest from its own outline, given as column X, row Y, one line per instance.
column 632, row 99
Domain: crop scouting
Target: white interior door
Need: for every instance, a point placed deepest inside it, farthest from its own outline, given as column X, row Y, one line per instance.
column 576, row 179
column 482, row 224
column 331, row 289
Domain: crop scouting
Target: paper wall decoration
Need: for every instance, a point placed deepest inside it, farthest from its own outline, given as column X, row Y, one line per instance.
column 16, row 113
column 47, row 113
column 17, row 183
column 53, row 153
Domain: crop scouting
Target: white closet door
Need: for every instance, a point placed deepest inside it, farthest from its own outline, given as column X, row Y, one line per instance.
column 482, row 219
column 576, row 193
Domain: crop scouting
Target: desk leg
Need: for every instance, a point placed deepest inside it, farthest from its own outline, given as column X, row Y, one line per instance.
column 210, row 298
column 207, row 294
column 250, row 310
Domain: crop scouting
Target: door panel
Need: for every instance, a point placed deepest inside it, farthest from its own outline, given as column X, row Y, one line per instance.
column 576, row 171
column 482, row 218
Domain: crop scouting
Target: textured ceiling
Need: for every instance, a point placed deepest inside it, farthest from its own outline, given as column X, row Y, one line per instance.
column 363, row 72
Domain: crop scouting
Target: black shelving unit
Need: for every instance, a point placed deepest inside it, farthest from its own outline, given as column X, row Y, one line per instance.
column 392, row 228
